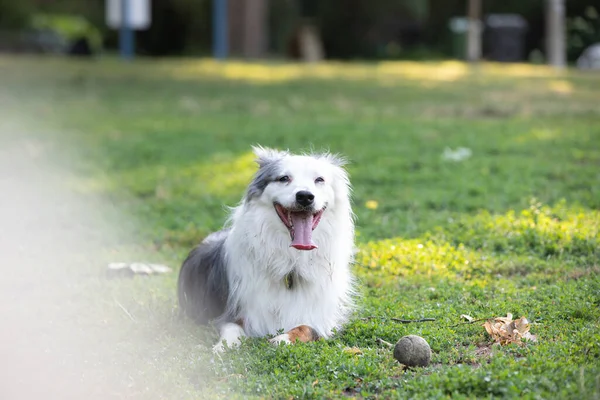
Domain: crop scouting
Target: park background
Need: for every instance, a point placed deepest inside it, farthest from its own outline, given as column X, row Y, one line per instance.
column 344, row 30
column 476, row 191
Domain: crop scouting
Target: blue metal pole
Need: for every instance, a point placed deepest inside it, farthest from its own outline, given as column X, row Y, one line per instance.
column 220, row 39
column 126, row 36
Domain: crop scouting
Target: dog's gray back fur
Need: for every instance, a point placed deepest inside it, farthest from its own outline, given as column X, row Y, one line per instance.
column 203, row 287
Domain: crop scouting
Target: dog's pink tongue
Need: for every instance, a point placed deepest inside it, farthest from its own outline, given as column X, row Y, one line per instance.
column 303, row 224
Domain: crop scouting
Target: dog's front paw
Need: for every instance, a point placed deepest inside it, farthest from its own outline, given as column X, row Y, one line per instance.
column 283, row 338
column 220, row 346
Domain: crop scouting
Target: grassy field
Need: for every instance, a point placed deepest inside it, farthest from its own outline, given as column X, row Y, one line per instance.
column 514, row 228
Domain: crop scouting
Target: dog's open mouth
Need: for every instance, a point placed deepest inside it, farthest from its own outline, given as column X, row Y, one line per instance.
column 300, row 223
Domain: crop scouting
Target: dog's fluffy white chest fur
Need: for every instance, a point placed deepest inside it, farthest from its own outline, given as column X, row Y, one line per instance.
column 321, row 283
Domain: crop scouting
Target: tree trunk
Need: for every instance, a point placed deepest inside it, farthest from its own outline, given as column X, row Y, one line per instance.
column 255, row 28
column 555, row 33
column 474, row 33
column 248, row 30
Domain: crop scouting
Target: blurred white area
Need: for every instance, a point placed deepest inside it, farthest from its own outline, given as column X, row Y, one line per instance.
column 51, row 241
column 460, row 154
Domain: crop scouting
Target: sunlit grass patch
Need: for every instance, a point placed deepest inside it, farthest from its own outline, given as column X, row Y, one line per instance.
column 561, row 86
column 267, row 73
column 189, row 201
column 431, row 260
column 445, row 71
column 448, row 71
column 546, row 134
column 540, row 230
column 223, row 175
column 476, row 248
column 413, row 257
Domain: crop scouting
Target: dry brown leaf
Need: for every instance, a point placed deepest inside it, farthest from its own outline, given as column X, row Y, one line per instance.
column 522, row 325
column 505, row 331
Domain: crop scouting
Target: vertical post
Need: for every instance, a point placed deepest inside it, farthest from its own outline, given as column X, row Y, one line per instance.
column 220, row 39
column 255, row 22
column 555, row 33
column 474, row 32
column 126, row 35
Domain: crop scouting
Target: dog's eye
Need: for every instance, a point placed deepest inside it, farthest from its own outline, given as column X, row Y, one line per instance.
column 284, row 179
column 319, row 180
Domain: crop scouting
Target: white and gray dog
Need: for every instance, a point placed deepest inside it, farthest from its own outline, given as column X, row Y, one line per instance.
column 283, row 261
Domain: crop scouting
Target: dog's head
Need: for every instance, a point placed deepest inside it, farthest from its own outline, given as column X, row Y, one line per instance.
column 300, row 190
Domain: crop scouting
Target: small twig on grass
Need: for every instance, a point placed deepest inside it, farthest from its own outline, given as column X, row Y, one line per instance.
column 125, row 311
column 467, row 322
column 403, row 321
column 408, row 321
column 384, row 342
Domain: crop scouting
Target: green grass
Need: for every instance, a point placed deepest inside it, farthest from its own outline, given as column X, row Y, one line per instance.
column 512, row 229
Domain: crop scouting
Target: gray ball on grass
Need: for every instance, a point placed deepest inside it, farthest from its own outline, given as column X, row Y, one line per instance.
column 413, row 351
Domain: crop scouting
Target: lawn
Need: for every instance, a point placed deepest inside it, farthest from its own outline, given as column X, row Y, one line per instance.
column 513, row 228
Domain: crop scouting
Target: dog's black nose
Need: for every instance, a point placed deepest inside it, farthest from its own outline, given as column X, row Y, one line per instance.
column 305, row 198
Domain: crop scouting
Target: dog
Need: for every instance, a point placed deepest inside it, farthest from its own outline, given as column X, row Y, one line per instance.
column 281, row 265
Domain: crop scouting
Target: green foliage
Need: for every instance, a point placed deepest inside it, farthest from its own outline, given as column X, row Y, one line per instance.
column 14, row 14
column 70, row 27
column 377, row 30
column 513, row 228
column 582, row 31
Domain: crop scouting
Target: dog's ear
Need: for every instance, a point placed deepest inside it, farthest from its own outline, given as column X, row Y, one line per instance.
column 265, row 155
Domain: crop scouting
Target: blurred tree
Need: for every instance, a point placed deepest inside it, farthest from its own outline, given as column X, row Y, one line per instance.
column 556, row 52
column 583, row 31
column 356, row 28
column 15, row 14
column 282, row 20
column 92, row 10
column 168, row 34
column 349, row 28
column 197, row 15
column 475, row 30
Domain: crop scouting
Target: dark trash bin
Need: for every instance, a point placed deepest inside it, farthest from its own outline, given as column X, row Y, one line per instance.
column 504, row 37
column 459, row 26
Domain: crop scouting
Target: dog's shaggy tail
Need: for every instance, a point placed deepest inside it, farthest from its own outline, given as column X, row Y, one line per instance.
column 203, row 288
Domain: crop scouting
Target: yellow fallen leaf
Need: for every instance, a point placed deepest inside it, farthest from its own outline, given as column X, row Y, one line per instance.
column 371, row 204
column 353, row 351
